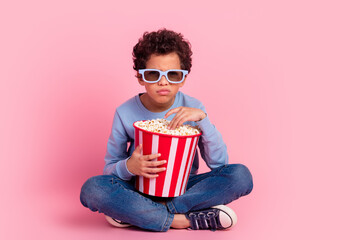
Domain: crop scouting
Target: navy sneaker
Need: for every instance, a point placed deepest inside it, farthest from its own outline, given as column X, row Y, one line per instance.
column 215, row 218
column 116, row 223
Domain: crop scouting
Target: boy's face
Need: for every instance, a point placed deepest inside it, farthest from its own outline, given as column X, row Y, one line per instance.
column 161, row 95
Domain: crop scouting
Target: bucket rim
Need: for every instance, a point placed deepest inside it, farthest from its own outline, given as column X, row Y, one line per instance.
column 163, row 134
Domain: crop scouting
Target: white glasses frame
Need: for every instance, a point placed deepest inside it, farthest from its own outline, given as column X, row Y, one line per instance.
column 163, row 73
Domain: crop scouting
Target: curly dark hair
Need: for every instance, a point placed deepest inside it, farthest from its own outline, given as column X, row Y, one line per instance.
column 162, row 42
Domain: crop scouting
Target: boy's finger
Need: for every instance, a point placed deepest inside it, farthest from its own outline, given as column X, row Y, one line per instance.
column 156, row 163
column 171, row 124
column 181, row 121
column 151, row 156
column 172, row 111
column 155, row 170
column 176, row 120
column 150, row 175
column 169, row 113
column 175, row 123
column 138, row 149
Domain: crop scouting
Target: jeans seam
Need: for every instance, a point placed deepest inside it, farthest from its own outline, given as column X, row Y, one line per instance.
column 168, row 221
column 171, row 207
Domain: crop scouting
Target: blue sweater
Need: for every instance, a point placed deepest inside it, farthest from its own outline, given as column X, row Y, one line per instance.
column 212, row 147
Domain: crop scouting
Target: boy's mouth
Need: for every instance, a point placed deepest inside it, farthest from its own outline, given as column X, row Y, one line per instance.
column 163, row 92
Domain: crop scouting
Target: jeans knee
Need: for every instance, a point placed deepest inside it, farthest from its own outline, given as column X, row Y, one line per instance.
column 91, row 190
column 242, row 178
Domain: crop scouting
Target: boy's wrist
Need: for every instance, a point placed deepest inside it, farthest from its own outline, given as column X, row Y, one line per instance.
column 122, row 170
column 204, row 115
column 128, row 168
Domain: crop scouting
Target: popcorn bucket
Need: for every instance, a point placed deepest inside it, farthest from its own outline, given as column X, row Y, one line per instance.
column 178, row 151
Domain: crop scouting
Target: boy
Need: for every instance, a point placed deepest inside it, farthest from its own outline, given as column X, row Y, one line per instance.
column 203, row 204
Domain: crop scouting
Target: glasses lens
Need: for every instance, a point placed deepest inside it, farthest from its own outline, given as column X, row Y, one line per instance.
column 151, row 75
column 175, row 76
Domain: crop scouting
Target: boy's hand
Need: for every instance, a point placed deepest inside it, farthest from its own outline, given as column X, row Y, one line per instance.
column 184, row 114
column 143, row 165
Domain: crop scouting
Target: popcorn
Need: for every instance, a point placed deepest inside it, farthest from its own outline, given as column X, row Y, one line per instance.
column 160, row 126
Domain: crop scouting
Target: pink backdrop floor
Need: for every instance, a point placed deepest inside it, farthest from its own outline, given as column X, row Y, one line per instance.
column 279, row 79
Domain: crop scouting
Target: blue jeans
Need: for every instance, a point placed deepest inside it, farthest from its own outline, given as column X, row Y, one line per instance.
column 119, row 199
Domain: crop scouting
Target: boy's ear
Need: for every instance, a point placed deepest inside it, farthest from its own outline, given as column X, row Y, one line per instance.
column 139, row 78
column 141, row 82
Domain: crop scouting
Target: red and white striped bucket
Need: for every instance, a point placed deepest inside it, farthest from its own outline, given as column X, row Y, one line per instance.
column 179, row 153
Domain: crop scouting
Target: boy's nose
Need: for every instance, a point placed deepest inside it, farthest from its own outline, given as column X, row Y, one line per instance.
column 163, row 80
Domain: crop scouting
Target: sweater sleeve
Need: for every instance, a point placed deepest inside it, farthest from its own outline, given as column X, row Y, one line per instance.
column 116, row 153
column 211, row 144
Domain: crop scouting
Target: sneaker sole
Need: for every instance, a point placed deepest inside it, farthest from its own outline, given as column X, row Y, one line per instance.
column 228, row 211
column 116, row 223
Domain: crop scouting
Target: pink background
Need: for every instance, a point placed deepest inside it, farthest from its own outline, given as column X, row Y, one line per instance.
column 279, row 79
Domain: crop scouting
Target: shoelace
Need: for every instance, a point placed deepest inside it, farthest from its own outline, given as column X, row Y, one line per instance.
column 203, row 221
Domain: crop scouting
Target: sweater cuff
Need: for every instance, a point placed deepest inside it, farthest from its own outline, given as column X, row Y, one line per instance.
column 122, row 170
column 204, row 123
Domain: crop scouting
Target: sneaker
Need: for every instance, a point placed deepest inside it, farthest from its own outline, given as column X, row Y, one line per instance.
column 215, row 218
column 116, row 223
